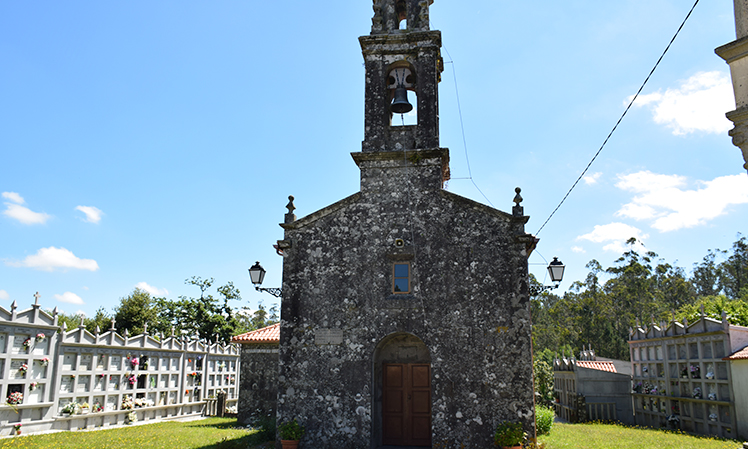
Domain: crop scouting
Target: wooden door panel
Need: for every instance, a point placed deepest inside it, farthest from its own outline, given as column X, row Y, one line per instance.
column 421, row 378
column 393, row 376
column 421, row 429
column 393, row 402
column 406, row 408
column 421, row 402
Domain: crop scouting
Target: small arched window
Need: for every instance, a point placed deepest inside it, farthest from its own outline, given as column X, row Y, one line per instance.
column 401, row 9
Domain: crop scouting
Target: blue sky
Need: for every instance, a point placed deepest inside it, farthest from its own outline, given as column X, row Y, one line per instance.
column 143, row 143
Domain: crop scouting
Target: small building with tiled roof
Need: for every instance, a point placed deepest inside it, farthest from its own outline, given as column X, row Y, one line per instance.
column 592, row 388
column 738, row 362
column 270, row 334
column 258, row 390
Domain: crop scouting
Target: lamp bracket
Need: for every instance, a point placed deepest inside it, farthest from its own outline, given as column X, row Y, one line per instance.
column 277, row 292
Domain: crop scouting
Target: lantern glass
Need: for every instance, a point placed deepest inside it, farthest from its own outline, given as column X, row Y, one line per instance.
column 556, row 270
column 257, row 274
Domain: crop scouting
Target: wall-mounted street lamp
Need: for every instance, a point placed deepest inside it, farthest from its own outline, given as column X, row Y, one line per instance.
column 556, row 271
column 257, row 275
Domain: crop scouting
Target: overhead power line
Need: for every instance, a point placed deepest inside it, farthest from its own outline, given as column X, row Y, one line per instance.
column 619, row 120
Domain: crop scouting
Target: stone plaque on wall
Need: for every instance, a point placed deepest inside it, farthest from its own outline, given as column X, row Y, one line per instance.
column 68, row 362
column 116, row 362
column 18, row 347
column 66, row 384
column 86, row 360
column 328, row 337
column 15, row 369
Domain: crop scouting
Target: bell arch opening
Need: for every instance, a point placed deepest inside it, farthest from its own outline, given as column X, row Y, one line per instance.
column 401, row 409
column 403, row 95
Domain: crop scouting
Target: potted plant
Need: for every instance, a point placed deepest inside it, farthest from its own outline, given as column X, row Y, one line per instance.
column 509, row 435
column 290, row 434
column 85, row 408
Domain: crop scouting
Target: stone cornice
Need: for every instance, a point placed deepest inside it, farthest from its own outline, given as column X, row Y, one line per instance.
column 325, row 211
column 734, row 50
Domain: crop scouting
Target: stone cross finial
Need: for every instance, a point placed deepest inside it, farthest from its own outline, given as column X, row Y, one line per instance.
column 98, row 330
column 36, row 298
column 145, row 328
column 702, row 310
column 13, row 306
column 112, row 328
column 81, row 325
column 517, row 210
column 290, row 217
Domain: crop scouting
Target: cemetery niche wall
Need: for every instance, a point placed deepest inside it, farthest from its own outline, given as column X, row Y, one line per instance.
column 53, row 378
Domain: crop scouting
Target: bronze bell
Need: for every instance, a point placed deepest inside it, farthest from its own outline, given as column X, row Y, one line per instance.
column 400, row 103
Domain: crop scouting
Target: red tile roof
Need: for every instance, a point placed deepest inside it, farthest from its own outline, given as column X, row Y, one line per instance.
column 270, row 334
column 738, row 355
column 601, row 366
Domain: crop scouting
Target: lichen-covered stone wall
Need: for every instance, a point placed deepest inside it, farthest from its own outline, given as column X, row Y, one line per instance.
column 258, row 390
column 469, row 306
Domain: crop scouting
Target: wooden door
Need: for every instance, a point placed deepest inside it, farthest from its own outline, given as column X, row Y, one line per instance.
column 406, row 404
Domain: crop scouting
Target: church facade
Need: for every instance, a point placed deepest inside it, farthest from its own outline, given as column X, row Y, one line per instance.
column 405, row 317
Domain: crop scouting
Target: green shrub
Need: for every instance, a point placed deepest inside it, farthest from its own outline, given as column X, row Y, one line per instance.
column 544, row 419
column 509, row 434
column 291, row 430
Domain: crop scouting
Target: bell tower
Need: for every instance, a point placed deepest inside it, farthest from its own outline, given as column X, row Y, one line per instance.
column 403, row 69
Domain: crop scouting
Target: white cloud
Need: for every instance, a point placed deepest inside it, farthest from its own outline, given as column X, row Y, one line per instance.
column 25, row 215
column 69, row 297
column 698, row 104
column 93, row 214
column 592, row 179
column 13, row 196
column 154, row 291
column 578, row 249
column 49, row 259
column 667, row 200
column 4, row 294
column 615, row 235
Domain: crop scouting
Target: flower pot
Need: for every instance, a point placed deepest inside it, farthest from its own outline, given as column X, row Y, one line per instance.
column 290, row 444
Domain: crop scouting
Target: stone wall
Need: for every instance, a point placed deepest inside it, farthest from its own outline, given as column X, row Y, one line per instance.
column 258, row 392
column 469, row 306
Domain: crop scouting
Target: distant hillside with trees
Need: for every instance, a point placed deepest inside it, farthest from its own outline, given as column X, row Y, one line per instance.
column 600, row 310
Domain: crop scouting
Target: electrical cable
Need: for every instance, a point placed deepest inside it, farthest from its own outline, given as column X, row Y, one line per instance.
column 462, row 128
column 619, row 120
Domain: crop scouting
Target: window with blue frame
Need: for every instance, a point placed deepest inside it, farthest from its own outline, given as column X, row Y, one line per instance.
column 401, row 277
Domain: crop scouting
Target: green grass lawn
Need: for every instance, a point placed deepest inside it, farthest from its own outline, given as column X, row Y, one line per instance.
column 219, row 433
column 223, row 433
column 611, row 436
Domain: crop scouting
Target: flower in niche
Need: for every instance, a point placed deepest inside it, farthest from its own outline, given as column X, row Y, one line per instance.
column 44, row 361
column 15, row 398
column 23, row 369
column 33, row 386
column 27, row 343
column 40, row 336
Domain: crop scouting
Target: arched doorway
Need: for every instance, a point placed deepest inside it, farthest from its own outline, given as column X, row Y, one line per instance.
column 402, row 397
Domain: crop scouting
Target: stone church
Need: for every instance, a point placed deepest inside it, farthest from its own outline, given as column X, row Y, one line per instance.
column 405, row 316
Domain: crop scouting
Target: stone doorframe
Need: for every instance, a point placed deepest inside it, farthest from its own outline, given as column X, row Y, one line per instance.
column 398, row 347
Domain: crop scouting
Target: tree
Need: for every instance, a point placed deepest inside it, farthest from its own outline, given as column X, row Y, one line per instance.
column 734, row 270
column 134, row 311
column 706, row 276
